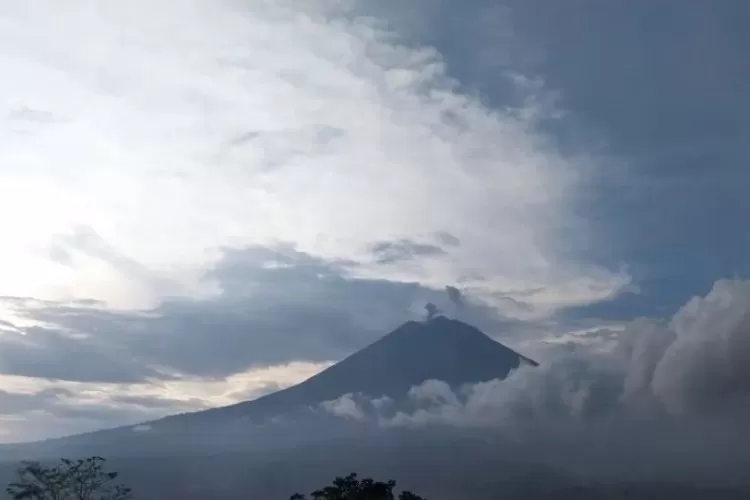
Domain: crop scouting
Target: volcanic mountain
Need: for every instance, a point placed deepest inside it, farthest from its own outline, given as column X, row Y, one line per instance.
column 441, row 348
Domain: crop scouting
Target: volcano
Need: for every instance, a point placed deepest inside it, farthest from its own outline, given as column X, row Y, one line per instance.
column 440, row 349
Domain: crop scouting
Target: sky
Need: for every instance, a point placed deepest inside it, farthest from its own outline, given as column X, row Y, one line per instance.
column 203, row 205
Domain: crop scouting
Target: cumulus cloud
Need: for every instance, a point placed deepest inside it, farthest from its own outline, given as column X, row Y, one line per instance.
column 657, row 401
column 345, row 407
column 693, row 366
column 708, row 364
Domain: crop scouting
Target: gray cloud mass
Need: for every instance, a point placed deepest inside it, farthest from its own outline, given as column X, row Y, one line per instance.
column 390, row 252
column 696, row 364
column 657, row 400
column 275, row 305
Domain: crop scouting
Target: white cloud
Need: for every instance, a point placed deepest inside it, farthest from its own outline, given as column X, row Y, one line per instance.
column 708, row 363
column 173, row 132
column 345, row 407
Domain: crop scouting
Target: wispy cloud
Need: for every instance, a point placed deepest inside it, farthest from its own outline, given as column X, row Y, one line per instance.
column 179, row 132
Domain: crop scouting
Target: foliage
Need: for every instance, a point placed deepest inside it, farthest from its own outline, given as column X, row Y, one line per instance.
column 351, row 488
column 83, row 479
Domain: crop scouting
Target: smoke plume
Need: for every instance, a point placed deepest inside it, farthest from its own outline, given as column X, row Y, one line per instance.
column 432, row 311
column 457, row 299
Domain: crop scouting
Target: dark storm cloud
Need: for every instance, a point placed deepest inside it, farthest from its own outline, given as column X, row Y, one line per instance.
column 275, row 305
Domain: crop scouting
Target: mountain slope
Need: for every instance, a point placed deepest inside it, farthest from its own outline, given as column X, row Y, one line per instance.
column 442, row 349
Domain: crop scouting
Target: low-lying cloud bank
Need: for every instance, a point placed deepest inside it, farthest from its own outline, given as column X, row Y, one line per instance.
column 656, row 394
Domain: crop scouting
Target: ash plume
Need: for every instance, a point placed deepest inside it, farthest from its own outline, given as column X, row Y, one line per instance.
column 457, row 299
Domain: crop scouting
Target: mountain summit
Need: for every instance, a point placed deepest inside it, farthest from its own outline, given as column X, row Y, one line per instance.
column 441, row 348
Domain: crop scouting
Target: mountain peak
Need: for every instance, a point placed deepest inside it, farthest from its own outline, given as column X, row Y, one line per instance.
column 439, row 348
column 435, row 330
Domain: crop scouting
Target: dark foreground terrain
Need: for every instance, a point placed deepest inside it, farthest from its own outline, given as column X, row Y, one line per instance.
column 450, row 467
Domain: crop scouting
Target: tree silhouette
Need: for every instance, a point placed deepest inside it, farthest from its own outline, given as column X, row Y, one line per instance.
column 351, row 488
column 83, row 479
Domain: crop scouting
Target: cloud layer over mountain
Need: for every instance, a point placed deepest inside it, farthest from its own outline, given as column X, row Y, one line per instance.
column 695, row 364
column 671, row 395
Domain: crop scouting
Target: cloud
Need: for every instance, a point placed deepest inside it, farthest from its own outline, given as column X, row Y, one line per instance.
column 263, row 123
column 447, row 239
column 279, row 317
column 157, row 158
column 392, row 252
column 708, row 364
column 275, row 306
column 13, row 403
column 54, row 354
column 691, row 367
column 434, row 392
column 663, row 401
column 344, row 407
column 457, row 299
column 239, row 344
column 55, row 411
column 37, row 408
